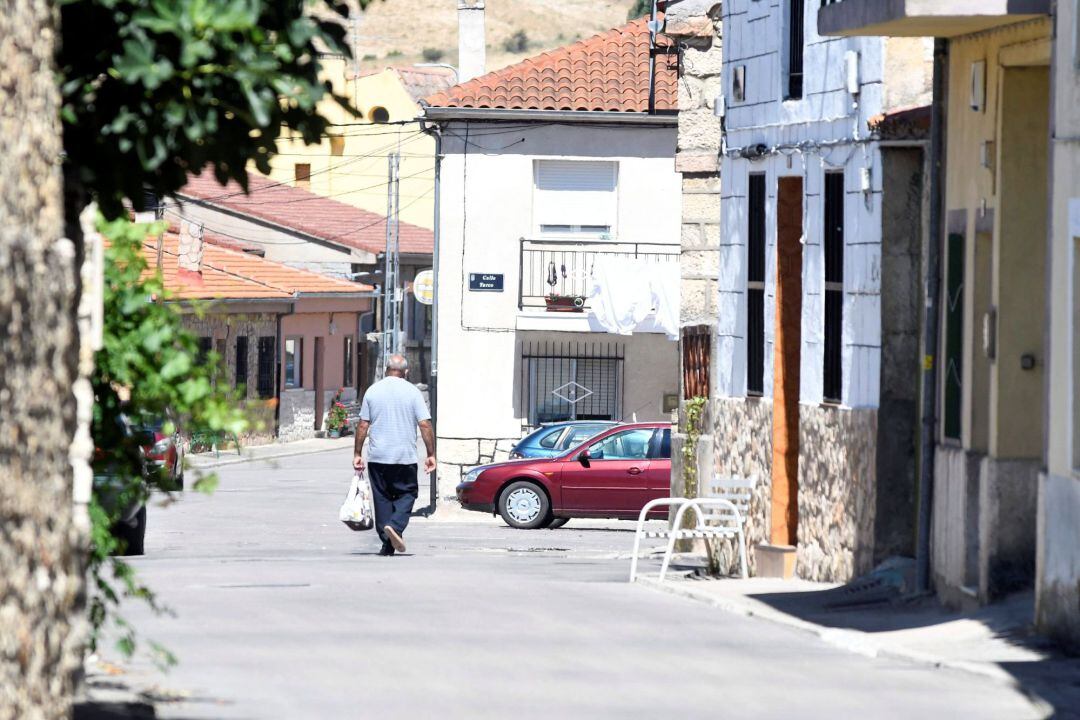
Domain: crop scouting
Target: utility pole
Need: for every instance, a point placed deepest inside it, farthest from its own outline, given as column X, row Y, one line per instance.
column 392, row 293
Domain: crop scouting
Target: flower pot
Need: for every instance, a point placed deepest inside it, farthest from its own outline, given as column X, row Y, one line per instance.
column 565, row 303
column 334, row 433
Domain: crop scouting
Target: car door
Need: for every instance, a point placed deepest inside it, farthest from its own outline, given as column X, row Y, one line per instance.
column 613, row 482
column 658, row 476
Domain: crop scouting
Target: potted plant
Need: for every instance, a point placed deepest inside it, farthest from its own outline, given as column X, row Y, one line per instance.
column 561, row 302
column 337, row 418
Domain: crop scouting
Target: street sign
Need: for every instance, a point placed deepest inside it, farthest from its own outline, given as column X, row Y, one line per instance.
column 423, row 287
column 486, row 282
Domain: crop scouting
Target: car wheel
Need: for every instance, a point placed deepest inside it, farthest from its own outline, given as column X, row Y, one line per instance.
column 134, row 537
column 557, row 523
column 524, row 505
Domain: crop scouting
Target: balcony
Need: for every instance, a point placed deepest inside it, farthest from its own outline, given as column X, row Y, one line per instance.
column 572, row 261
column 924, row 18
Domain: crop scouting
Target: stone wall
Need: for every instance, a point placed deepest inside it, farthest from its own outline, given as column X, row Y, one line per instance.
column 41, row 547
column 837, row 482
column 296, row 415
column 742, row 437
column 459, row 455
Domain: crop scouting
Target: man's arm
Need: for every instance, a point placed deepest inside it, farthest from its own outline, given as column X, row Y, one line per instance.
column 358, row 446
column 428, row 433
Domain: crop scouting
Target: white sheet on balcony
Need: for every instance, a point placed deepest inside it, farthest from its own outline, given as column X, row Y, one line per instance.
column 625, row 291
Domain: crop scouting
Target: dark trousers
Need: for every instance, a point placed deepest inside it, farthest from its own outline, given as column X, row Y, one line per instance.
column 393, row 490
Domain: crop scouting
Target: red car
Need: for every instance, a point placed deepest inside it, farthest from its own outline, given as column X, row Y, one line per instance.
column 612, row 475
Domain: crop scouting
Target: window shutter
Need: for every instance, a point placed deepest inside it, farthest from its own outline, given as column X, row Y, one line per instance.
column 575, row 192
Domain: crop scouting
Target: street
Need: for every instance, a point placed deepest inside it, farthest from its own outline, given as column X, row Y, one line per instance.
column 281, row 612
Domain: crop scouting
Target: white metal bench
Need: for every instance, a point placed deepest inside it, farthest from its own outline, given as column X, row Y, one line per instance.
column 720, row 514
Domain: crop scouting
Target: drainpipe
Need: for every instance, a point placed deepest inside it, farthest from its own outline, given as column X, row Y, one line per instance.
column 433, row 384
column 652, row 59
column 931, row 361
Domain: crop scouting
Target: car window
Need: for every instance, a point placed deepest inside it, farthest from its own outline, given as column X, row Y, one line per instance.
column 662, row 445
column 625, row 445
column 549, row 440
column 578, row 435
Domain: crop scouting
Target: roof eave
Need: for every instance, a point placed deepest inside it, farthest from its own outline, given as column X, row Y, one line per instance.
column 526, row 115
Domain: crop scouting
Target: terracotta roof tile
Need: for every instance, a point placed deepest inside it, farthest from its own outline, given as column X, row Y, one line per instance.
column 607, row 72
column 231, row 275
column 306, row 212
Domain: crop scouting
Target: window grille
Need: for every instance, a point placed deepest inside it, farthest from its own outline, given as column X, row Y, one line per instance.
column 571, row 381
column 241, row 361
column 954, row 337
column 267, row 365
column 755, row 287
column 347, row 362
column 696, row 361
column 796, row 41
column 834, row 285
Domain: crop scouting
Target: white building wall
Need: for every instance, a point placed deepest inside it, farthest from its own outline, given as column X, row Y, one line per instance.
column 486, row 209
column 824, row 131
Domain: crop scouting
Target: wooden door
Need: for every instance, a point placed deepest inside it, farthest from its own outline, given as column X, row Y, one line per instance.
column 320, row 400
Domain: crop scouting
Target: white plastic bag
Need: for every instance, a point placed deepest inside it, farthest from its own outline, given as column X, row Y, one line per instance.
column 357, row 512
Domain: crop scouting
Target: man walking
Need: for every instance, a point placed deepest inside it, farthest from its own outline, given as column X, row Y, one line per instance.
column 391, row 411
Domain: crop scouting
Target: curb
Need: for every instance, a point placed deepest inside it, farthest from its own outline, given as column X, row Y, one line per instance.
column 250, row 458
column 855, row 641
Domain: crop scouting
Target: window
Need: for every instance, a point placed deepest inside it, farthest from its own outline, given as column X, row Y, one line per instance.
column 241, row 361
column 205, row 345
column 302, row 175
column 626, row 445
column 347, row 362
column 549, row 440
column 571, row 381
column 696, row 358
column 834, row 284
column 294, row 358
column 575, row 197
column 796, row 17
column 953, row 368
column 578, row 435
column 379, row 114
column 755, row 287
column 738, row 84
column 267, row 365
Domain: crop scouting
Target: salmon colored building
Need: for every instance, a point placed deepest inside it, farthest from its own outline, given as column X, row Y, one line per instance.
column 287, row 338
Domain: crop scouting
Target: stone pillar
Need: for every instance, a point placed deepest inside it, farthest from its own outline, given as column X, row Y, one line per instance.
column 695, row 26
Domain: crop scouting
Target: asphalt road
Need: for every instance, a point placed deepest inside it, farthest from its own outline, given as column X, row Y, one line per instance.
column 281, row 612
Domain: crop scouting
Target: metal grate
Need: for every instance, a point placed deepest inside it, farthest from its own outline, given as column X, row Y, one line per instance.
column 834, row 285
column 264, row 382
column 571, row 381
column 696, row 348
column 796, row 19
column 241, row 361
column 755, row 287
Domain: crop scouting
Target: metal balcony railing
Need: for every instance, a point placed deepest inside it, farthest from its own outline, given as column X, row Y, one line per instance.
column 573, row 261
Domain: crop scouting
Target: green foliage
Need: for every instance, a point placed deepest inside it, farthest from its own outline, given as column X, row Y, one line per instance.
column 639, row 8
column 156, row 89
column 337, row 418
column 517, row 43
column 148, row 367
column 432, row 54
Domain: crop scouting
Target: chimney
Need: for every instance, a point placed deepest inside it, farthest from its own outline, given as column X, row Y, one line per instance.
column 190, row 250
column 471, row 48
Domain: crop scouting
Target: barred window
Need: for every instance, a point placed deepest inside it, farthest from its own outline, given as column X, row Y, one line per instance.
column 793, row 89
column 834, row 285
column 241, row 361
column 267, row 366
column 571, row 381
column 755, row 287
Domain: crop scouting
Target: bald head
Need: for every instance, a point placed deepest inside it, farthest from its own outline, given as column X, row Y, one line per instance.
column 397, row 366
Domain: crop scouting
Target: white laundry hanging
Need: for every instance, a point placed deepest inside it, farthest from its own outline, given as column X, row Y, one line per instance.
column 625, row 291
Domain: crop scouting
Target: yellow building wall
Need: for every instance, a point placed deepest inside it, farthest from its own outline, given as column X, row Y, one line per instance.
column 974, row 174
column 351, row 165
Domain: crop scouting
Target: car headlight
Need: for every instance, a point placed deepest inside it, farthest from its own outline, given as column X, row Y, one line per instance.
column 161, row 446
column 472, row 475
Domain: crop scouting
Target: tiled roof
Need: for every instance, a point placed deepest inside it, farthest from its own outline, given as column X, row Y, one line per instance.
column 911, row 123
column 607, row 72
column 231, row 275
column 297, row 209
column 420, row 82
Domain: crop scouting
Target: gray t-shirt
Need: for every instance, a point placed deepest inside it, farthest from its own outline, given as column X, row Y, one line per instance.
column 393, row 406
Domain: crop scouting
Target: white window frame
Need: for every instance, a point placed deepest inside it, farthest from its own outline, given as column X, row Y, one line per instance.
column 575, row 228
column 298, row 362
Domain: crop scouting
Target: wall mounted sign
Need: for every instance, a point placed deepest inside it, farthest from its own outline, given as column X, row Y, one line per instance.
column 486, row 282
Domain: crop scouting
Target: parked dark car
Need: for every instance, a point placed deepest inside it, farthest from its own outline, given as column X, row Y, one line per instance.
column 556, row 438
column 611, row 475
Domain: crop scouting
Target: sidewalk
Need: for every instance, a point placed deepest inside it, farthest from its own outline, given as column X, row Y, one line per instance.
column 996, row 641
column 207, row 461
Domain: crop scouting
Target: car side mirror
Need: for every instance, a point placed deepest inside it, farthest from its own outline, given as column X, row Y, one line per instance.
column 584, row 457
